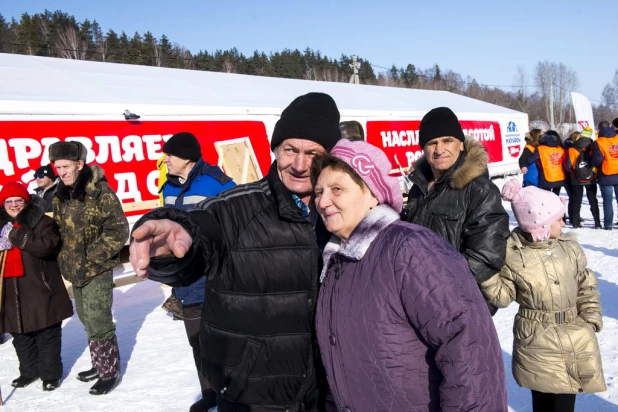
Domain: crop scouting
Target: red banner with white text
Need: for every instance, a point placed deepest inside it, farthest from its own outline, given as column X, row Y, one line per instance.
column 127, row 151
column 400, row 139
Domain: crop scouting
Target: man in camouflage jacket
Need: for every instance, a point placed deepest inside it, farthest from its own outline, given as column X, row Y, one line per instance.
column 94, row 229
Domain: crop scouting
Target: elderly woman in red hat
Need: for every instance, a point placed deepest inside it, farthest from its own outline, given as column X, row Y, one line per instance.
column 34, row 299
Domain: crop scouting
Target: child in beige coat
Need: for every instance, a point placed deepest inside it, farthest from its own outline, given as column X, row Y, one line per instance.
column 555, row 351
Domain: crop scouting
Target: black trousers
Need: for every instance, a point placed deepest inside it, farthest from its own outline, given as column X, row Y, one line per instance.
column 578, row 195
column 192, row 317
column 552, row 402
column 555, row 190
column 39, row 352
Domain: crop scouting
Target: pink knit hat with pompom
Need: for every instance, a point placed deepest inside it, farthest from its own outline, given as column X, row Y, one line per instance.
column 372, row 166
column 535, row 209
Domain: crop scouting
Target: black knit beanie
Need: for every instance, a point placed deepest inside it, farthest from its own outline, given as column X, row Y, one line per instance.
column 313, row 116
column 46, row 170
column 439, row 122
column 183, row 145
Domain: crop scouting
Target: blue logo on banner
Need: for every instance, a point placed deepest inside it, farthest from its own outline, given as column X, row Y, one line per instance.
column 511, row 128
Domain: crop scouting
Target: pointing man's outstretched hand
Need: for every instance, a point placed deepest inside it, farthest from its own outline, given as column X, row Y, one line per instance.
column 157, row 238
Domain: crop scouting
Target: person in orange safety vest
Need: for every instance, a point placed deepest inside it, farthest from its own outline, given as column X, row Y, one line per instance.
column 549, row 158
column 605, row 157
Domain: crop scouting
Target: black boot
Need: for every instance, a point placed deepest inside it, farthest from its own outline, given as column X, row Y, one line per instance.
column 104, row 386
column 108, row 364
column 23, row 381
column 597, row 221
column 576, row 222
column 50, row 385
column 208, row 401
column 91, row 374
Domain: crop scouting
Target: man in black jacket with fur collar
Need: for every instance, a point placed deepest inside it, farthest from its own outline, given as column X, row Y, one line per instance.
column 453, row 196
column 259, row 245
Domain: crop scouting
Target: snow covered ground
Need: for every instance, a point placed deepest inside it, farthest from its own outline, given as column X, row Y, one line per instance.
column 158, row 373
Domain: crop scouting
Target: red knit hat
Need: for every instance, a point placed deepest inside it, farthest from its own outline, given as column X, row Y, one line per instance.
column 13, row 189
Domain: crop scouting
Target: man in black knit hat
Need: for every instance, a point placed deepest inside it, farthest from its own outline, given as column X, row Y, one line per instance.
column 189, row 181
column 47, row 183
column 453, row 196
column 259, row 245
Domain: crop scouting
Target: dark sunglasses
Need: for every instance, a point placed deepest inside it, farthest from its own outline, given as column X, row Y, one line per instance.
column 39, row 175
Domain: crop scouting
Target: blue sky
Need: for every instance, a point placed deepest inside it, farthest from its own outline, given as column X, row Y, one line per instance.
column 484, row 39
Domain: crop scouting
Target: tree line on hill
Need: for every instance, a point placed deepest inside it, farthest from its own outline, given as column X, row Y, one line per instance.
column 58, row 34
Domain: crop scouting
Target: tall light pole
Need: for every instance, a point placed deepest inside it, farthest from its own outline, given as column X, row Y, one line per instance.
column 551, row 105
column 354, row 66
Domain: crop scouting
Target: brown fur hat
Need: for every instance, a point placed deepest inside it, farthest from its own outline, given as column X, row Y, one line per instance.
column 67, row 151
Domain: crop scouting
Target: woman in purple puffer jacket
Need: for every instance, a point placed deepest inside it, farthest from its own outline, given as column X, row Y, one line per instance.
column 401, row 324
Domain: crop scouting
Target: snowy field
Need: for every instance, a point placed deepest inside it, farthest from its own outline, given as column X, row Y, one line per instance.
column 158, row 373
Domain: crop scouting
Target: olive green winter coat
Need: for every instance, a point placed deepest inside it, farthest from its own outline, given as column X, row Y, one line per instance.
column 92, row 225
column 555, row 349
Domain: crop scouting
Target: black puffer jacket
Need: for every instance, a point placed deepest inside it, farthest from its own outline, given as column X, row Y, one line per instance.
column 262, row 263
column 464, row 207
column 47, row 195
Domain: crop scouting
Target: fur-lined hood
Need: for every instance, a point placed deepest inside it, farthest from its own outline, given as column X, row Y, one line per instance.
column 30, row 216
column 86, row 184
column 471, row 164
column 361, row 238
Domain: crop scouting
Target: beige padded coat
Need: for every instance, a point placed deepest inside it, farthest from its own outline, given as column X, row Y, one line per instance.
column 555, row 349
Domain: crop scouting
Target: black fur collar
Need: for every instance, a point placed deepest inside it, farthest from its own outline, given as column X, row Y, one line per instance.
column 30, row 216
column 78, row 191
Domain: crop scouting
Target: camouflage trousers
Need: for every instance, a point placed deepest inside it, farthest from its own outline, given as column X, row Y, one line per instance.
column 93, row 303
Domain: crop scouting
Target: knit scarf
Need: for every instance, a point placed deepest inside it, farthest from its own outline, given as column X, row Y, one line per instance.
column 14, row 267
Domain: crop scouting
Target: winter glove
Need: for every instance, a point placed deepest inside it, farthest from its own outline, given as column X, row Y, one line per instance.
column 595, row 326
column 5, row 243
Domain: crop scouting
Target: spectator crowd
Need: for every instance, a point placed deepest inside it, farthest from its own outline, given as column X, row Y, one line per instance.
column 316, row 288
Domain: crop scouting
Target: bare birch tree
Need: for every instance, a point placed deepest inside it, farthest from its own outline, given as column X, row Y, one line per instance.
column 69, row 44
column 521, row 80
column 159, row 56
column 560, row 80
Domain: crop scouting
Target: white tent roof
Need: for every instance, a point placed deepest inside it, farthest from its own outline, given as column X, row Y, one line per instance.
column 43, row 79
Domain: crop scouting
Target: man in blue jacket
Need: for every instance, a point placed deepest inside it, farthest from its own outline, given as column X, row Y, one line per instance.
column 189, row 181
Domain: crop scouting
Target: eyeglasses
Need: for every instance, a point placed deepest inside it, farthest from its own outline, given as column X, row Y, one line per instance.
column 16, row 202
column 39, row 176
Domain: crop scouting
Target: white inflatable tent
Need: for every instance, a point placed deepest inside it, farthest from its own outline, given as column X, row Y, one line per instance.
column 49, row 89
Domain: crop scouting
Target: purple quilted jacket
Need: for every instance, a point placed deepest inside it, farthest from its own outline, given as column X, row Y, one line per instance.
column 402, row 325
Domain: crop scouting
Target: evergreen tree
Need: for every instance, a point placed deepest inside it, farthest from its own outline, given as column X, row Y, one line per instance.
column 86, row 33
column 409, row 76
column 437, row 74
column 6, row 38
column 134, row 51
column 61, row 35
column 394, row 75
column 165, row 50
column 123, row 49
column 28, row 41
column 205, row 61
column 100, row 43
column 113, row 47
